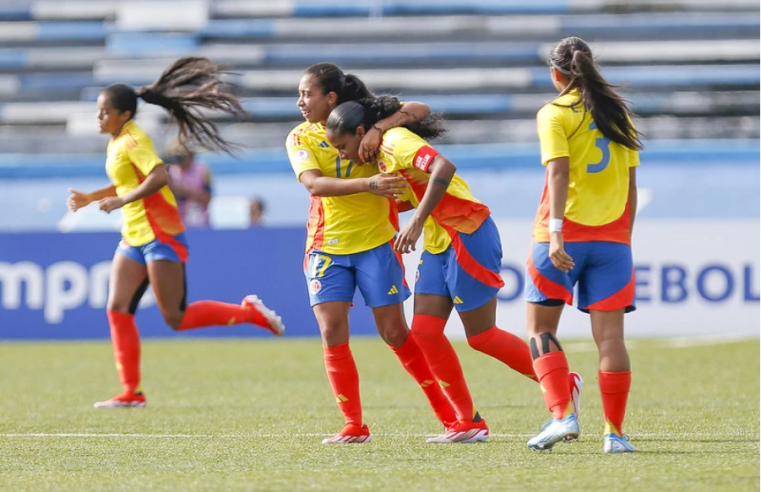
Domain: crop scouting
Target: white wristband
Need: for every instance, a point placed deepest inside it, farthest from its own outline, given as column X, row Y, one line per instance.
column 556, row 225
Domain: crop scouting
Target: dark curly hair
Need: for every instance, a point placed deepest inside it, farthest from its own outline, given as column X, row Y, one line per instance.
column 366, row 112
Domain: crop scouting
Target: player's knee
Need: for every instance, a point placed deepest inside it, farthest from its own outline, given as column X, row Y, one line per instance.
column 396, row 337
column 334, row 333
column 173, row 319
column 611, row 346
column 543, row 343
column 473, row 329
column 119, row 307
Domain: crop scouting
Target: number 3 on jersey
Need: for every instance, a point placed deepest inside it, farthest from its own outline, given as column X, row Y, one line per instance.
column 602, row 143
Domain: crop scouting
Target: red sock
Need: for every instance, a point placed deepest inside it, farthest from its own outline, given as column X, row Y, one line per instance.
column 414, row 362
column 552, row 370
column 442, row 359
column 126, row 341
column 506, row 348
column 614, row 389
column 210, row 313
column 344, row 379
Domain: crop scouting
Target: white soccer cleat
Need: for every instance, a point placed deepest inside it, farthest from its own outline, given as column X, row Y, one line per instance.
column 576, row 383
column 617, row 444
column 350, row 434
column 124, row 400
column 557, row 430
column 463, row 432
column 276, row 325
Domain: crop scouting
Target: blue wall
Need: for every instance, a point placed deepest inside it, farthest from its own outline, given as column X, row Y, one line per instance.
column 223, row 265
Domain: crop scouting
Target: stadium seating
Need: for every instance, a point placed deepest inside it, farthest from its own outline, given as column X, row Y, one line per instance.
column 473, row 60
column 689, row 67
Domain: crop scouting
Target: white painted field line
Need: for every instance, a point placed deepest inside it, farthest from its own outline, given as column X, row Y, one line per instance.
column 705, row 340
column 677, row 342
column 314, row 434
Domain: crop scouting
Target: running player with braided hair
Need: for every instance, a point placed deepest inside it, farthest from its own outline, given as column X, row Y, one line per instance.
column 582, row 235
column 462, row 259
column 153, row 249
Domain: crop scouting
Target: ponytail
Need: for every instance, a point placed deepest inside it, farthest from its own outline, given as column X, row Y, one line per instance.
column 366, row 112
column 354, row 89
column 330, row 78
column 190, row 84
column 187, row 86
column 573, row 58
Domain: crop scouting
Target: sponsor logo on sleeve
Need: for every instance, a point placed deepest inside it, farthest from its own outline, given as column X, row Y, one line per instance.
column 424, row 157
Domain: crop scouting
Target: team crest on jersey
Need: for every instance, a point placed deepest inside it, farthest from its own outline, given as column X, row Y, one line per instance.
column 382, row 166
column 302, row 155
column 315, row 286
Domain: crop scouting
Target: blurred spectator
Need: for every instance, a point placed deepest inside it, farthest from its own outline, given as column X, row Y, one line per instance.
column 191, row 184
column 256, row 212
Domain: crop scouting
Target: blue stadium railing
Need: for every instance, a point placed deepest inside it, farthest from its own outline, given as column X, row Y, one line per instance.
column 682, row 24
column 644, row 76
column 364, row 8
column 494, row 156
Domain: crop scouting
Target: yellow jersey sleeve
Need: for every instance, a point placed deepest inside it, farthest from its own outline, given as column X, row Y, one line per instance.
column 405, row 150
column 633, row 158
column 300, row 153
column 553, row 141
column 141, row 152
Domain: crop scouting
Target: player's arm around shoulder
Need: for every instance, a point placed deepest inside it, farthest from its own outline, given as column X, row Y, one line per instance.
column 387, row 185
column 409, row 112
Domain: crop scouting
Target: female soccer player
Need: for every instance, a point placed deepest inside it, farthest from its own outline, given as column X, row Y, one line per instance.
column 582, row 235
column 462, row 259
column 350, row 234
column 153, row 249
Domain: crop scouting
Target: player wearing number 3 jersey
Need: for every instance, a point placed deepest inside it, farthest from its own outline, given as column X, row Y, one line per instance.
column 582, row 235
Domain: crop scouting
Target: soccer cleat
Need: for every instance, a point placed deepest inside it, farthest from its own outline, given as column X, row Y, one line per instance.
column 575, row 382
column 351, row 433
column 556, row 431
column 614, row 443
column 124, row 400
column 464, row 432
column 276, row 325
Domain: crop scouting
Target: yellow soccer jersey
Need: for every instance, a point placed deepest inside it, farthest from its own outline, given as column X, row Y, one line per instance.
column 339, row 225
column 130, row 158
column 598, row 188
column 407, row 154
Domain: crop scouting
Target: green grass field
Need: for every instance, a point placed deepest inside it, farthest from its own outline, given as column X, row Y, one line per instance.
column 249, row 415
